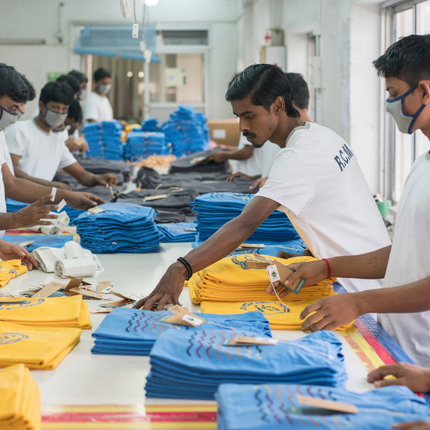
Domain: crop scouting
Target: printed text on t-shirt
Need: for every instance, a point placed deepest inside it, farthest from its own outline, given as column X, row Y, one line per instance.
column 343, row 158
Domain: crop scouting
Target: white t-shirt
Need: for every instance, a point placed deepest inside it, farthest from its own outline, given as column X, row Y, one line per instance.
column 318, row 183
column 252, row 166
column 409, row 261
column 35, row 113
column 5, row 152
column 270, row 151
column 2, row 191
column 42, row 154
column 97, row 108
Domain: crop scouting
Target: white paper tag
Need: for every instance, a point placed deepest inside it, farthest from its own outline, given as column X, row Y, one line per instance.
column 273, row 273
column 135, row 33
column 95, row 210
column 61, row 205
column 54, row 193
column 107, row 290
column 192, row 320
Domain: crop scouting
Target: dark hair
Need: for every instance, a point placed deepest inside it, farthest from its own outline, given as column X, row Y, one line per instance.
column 264, row 83
column 31, row 90
column 101, row 73
column 71, row 81
column 75, row 111
column 57, row 92
column 12, row 84
column 79, row 76
column 300, row 90
column 407, row 59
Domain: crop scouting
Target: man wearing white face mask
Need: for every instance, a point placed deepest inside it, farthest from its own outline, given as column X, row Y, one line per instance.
column 97, row 107
column 38, row 153
column 403, row 305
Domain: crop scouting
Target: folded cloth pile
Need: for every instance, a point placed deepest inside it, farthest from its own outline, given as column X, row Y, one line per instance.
column 93, row 134
column 216, row 209
column 166, row 217
column 100, row 167
column 227, row 287
column 197, row 162
column 36, row 347
column 172, row 179
column 11, row 269
column 20, row 405
column 179, row 232
column 38, row 240
column 142, row 144
column 119, row 227
column 112, row 147
column 150, row 124
column 51, row 312
column 187, row 131
column 276, row 406
column 192, row 364
column 134, row 332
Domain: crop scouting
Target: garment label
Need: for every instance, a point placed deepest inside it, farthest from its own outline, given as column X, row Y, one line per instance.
column 95, row 210
column 61, row 205
column 327, row 404
column 192, row 320
column 54, row 193
column 244, row 340
column 86, row 293
column 197, row 160
column 272, row 272
column 48, row 289
column 101, row 311
column 252, row 246
column 151, row 198
column 186, row 315
column 135, row 33
column 103, row 286
column 26, row 243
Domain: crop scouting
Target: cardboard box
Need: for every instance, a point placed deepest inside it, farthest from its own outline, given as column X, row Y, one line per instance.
column 224, row 131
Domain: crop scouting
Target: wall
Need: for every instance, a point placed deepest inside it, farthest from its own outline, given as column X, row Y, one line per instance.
column 39, row 20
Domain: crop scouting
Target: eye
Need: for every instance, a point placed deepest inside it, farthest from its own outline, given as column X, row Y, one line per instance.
column 249, row 116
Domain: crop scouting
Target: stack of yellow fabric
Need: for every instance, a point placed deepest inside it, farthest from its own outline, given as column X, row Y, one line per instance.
column 10, row 269
column 50, row 312
column 19, row 399
column 227, row 288
column 36, row 347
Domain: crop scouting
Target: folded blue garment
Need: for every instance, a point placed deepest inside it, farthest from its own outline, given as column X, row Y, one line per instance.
column 142, row 144
column 51, row 240
column 104, row 140
column 134, row 332
column 179, row 232
column 275, row 406
column 187, row 364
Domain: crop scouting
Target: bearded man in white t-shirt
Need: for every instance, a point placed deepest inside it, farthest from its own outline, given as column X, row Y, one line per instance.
column 315, row 180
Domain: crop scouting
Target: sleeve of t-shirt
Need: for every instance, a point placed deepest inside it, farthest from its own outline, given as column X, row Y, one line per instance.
column 90, row 109
column 67, row 158
column 15, row 139
column 290, row 182
column 3, row 148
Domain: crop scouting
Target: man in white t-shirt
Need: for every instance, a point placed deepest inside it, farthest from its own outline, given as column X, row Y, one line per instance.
column 316, row 181
column 38, row 153
column 403, row 305
column 97, row 107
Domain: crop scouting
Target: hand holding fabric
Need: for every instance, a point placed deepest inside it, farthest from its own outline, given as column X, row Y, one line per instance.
column 11, row 251
column 107, row 179
column 238, row 175
column 259, row 183
column 83, row 201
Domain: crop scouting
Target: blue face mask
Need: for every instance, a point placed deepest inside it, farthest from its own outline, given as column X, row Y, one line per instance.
column 7, row 118
column 405, row 122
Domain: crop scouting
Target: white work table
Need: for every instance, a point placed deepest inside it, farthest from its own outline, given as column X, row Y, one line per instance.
column 83, row 378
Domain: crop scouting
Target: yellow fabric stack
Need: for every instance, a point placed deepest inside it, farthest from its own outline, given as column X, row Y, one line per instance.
column 50, row 312
column 35, row 347
column 19, row 399
column 227, row 288
column 10, row 269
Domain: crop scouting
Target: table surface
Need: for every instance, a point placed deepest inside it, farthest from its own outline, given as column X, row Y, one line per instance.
column 83, row 378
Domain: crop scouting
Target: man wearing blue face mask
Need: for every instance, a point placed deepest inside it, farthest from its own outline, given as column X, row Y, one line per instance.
column 38, row 153
column 403, row 306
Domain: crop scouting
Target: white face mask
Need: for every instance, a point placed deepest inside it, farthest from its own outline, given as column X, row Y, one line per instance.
column 104, row 88
column 405, row 122
column 82, row 94
column 54, row 119
column 20, row 114
column 7, row 118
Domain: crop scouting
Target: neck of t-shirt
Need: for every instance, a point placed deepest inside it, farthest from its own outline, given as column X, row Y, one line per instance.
column 299, row 127
column 48, row 133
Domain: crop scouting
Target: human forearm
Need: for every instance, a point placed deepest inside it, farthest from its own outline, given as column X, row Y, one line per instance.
column 88, row 179
column 22, row 175
column 9, row 221
column 241, row 154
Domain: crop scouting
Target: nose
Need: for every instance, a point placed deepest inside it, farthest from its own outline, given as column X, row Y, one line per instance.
column 243, row 126
column 22, row 108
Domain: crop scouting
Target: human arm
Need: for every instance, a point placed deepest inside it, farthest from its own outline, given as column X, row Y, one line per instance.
column 416, row 425
column 72, row 145
column 240, row 154
column 11, row 251
column 89, row 179
column 259, row 183
column 240, row 175
column 222, row 243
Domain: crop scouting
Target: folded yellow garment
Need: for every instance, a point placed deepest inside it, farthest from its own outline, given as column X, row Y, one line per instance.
column 50, row 312
column 227, row 281
column 10, row 269
column 36, row 347
column 20, row 399
column 280, row 316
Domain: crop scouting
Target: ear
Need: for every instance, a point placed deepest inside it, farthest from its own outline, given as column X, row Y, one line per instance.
column 424, row 87
column 41, row 106
column 278, row 105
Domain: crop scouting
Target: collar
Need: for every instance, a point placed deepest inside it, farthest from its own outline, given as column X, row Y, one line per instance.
column 299, row 127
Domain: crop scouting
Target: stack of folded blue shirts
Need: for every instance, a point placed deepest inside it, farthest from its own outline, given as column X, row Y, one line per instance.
column 179, row 232
column 14, row 206
column 150, row 124
column 120, row 227
column 143, row 144
column 111, row 140
column 276, row 406
column 134, row 332
column 38, row 240
column 192, row 364
column 187, row 131
column 93, row 134
column 216, row 209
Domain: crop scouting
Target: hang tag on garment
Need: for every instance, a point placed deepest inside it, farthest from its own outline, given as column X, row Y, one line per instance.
column 250, row 341
column 327, row 404
column 103, row 286
column 252, row 246
column 280, row 273
column 74, row 283
column 48, row 289
column 135, row 33
column 54, row 193
column 61, row 205
column 273, row 273
column 26, row 243
column 250, row 262
column 185, row 315
column 95, row 210
column 151, row 198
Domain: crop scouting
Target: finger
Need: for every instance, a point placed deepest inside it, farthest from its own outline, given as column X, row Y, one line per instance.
column 140, row 303
column 284, row 293
column 254, row 185
column 115, row 180
column 29, row 265
column 331, row 326
column 163, row 302
column 311, row 308
column 388, row 382
column 88, row 203
column 44, row 223
column 281, row 254
column 411, row 425
column 271, row 287
column 50, row 208
column 95, row 199
column 43, row 200
column 150, row 302
column 382, row 372
column 230, row 178
column 320, row 324
column 29, row 257
column 47, row 216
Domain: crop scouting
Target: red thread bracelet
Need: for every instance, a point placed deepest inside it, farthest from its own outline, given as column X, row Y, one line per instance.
column 328, row 266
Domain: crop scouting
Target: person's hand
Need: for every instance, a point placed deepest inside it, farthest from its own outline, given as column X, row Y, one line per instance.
column 61, row 186
column 416, row 425
column 287, row 255
column 414, row 377
column 331, row 312
column 313, row 272
column 34, row 213
column 83, row 201
column 107, row 179
column 218, row 157
column 11, row 251
column 72, row 145
column 238, row 175
column 83, row 148
column 259, row 183
column 168, row 289
column 123, row 123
